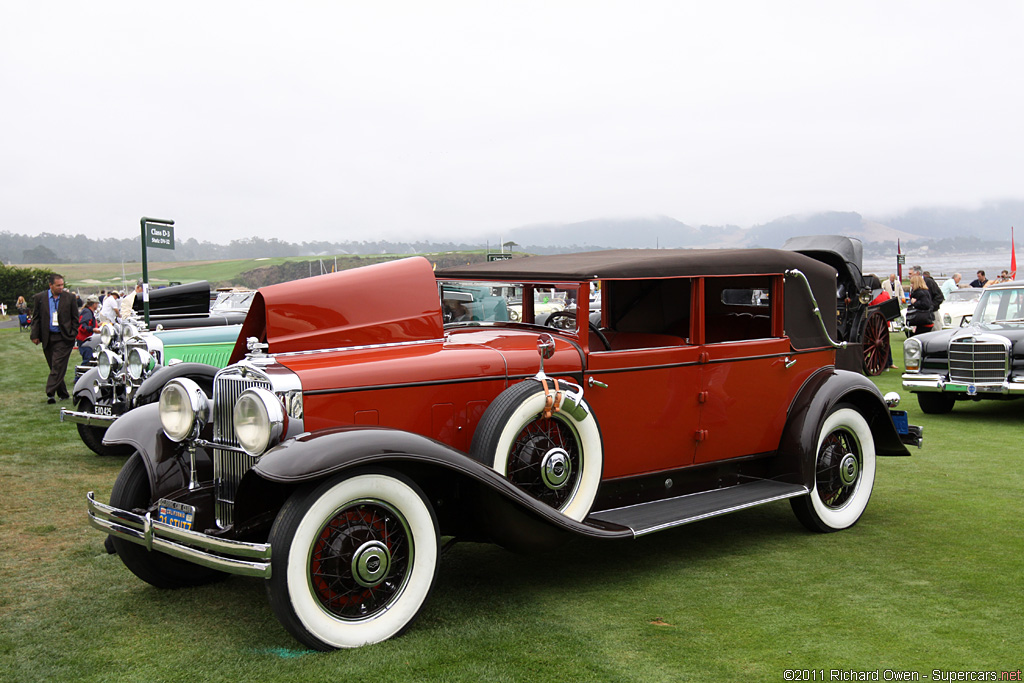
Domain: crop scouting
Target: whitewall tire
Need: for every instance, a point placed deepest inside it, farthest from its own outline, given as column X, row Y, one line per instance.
column 844, row 473
column 354, row 559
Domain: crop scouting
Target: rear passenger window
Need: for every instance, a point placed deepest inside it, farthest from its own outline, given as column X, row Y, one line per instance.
column 737, row 308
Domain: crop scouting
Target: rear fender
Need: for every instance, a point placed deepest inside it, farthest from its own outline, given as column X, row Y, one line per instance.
column 201, row 373
column 167, row 463
column 450, row 476
column 815, row 400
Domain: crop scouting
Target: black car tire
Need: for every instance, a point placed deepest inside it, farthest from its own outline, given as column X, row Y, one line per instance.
column 557, row 460
column 354, row 559
column 935, row 403
column 844, row 473
column 131, row 492
column 93, row 436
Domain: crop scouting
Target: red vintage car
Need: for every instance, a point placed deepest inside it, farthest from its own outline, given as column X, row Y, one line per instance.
column 355, row 427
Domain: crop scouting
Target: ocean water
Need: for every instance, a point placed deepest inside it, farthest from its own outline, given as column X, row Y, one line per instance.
column 943, row 266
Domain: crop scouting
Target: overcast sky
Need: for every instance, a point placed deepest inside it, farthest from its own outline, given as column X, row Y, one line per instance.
column 459, row 120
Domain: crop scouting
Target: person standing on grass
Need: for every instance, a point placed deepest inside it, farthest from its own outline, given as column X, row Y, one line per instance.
column 111, row 308
column 87, row 324
column 55, row 326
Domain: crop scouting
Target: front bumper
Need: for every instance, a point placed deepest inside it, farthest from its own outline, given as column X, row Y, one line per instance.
column 91, row 419
column 232, row 557
column 918, row 382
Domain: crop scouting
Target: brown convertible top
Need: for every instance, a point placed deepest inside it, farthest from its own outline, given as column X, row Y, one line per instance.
column 642, row 263
column 801, row 324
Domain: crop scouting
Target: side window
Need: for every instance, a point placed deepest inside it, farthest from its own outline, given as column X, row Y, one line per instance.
column 737, row 308
column 647, row 313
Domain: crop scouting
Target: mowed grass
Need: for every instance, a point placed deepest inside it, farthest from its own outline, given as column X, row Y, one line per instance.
column 931, row 578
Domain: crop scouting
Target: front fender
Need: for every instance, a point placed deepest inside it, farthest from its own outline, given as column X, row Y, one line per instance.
column 168, row 470
column 202, row 373
column 83, row 387
column 317, row 455
column 815, row 400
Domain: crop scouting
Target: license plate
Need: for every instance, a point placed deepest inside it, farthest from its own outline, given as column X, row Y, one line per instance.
column 900, row 421
column 176, row 514
column 103, row 410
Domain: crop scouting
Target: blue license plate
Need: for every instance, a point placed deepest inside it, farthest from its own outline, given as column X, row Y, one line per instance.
column 900, row 421
column 176, row 514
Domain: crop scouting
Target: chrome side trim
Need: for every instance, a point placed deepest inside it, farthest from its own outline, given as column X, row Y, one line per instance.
column 224, row 554
column 357, row 348
column 817, row 311
column 86, row 418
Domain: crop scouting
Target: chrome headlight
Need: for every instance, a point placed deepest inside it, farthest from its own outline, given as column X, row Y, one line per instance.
column 107, row 364
column 912, row 355
column 128, row 331
column 184, row 409
column 140, row 364
column 107, row 334
column 259, row 419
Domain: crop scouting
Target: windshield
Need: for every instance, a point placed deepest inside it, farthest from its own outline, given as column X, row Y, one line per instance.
column 499, row 301
column 1000, row 304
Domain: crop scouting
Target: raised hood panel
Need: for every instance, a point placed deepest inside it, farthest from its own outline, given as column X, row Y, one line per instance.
column 383, row 303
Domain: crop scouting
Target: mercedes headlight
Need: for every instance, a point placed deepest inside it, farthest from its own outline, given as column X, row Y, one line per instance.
column 259, row 420
column 912, row 355
column 140, row 363
column 184, row 409
column 107, row 334
column 107, row 364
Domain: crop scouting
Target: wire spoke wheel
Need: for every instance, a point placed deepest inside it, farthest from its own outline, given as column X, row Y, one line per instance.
column 545, row 460
column 838, row 470
column 876, row 345
column 360, row 559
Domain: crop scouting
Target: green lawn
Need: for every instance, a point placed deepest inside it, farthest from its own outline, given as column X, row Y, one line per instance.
column 931, row 578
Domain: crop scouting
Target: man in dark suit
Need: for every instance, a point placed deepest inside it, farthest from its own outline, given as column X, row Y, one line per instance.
column 55, row 325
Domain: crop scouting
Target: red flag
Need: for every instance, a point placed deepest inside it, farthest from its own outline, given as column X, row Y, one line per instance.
column 1013, row 257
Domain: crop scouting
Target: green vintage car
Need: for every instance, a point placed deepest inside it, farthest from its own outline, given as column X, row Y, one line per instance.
column 131, row 367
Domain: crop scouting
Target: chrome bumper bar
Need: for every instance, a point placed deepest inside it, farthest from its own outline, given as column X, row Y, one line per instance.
column 86, row 418
column 232, row 557
column 937, row 383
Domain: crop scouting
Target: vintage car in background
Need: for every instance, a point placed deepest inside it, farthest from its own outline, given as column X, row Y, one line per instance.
column 959, row 305
column 862, row 324
column 351, row 432
column 131, row 366
column 956, row 309
column 190, row 305
column 983, row 360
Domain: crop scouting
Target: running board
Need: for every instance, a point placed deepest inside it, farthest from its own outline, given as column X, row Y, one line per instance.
column 646, row 518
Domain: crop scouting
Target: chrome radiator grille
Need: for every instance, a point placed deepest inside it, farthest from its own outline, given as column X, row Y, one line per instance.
column 229, row 466
column 977, row 362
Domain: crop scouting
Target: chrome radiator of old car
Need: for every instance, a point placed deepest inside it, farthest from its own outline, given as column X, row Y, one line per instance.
column 229, row 465
column 978, row 361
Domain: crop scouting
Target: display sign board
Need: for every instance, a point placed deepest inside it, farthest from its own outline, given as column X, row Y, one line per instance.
column 159, row 235
column 499, row 257
column 901, row 258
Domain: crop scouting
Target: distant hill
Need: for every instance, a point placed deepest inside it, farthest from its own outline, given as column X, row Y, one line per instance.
column 948, row 229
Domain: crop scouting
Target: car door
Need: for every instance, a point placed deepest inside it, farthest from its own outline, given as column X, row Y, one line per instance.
column 645, row 390
column 745, row 381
